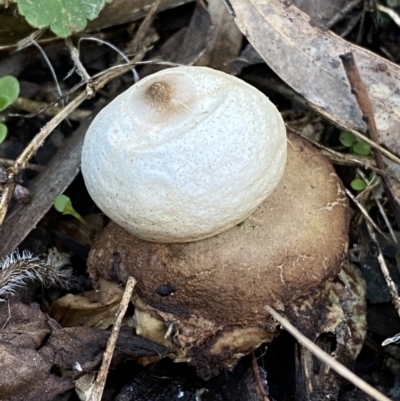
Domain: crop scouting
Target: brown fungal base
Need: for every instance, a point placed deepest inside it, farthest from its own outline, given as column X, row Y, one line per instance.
column 286, row 249
column 200, row 342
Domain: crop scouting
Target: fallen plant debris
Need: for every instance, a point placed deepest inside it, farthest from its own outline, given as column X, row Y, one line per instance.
column 18, row 269
column 202, row 303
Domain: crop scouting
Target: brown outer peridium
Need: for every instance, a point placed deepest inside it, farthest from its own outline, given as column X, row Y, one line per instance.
column 292, row 243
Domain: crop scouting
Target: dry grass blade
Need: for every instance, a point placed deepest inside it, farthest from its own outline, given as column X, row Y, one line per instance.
column 326, row 358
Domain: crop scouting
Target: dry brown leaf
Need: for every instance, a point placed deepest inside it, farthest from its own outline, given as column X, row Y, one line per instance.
column 92, row 309
column 25, row 374
column 307, row 58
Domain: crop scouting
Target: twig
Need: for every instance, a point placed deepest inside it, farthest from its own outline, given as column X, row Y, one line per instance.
column 77, row 61
column 326, row 358
column 21, row 194
column 385, row 270
column 98, row 387
column 364, row 103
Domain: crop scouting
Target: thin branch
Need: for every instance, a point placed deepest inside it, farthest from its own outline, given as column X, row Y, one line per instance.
column 77, row 61
column 98, row 387
column 326, row 358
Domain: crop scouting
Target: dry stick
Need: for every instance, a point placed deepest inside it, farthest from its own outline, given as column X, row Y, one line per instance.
column 326, row 358
column 100, row 382
column 21, row 194
column 364, row 103
column 77, row 61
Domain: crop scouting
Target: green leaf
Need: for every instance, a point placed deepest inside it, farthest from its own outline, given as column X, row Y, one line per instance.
column 60, row 202
column 361, row 148
column 3, row 132
column 347, row 139
column 358, row 184
column 64, row 205
column 64, row 17
column 9, row 91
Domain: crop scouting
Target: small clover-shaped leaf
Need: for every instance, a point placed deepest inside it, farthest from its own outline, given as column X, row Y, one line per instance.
column 361, row 148
column 3, row 132
column 63, row 205
column 9, row 91
column 63, row 17
column 347, row 139
column 358, row 184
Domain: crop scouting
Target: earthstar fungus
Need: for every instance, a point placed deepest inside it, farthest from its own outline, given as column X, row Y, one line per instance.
column 205, row 299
